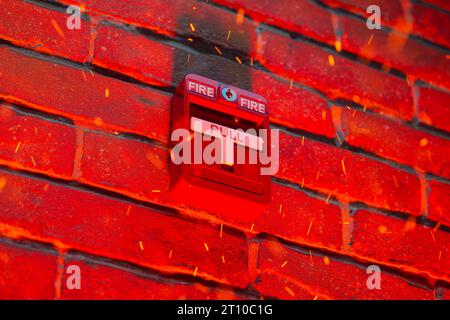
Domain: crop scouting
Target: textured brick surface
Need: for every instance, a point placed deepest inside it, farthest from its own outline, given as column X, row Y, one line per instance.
column 321, row 167
column 21, row 140
column 439, row 202
column 392, row 140
column 307, row 275
column 342, row 78
column 389, row 240
column 102, row 282
column 424, row 21
column 208, row 23
column 413, row 57
column 21, row 275
column 119, row 230
column 72, row 92
column 43, row 30
column 434, row 108
column 303, row 17
column 86, row 177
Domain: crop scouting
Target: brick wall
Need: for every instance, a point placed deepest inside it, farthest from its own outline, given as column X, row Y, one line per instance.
column 364, row 149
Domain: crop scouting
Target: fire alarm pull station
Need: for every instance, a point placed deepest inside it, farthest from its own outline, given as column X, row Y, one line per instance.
column 224, row 144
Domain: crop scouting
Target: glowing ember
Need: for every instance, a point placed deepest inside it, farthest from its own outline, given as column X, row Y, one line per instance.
column 141, row 245
column 3, row 181
column 223, row 259
column 423, row 142
column 106, row 92
column 343, row 167
column 57, row 28
column 331, row 60
column 382, row 229
column 288, row 290
column 309, row 228
column 238, row 60
column 326, row 260
column 228, row 35
column 192, row 27
column 206, row 246
column 240, row 16
column 17, row 147
column 338, row 45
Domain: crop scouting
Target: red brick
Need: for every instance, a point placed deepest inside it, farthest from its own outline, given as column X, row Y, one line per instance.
column 26, row 274
column 125, row 165
column 391, row 139
column 345, row 79
column 391, row 241
column 72, row 92
column 434, row 108
column 36, row 144
column 293, row 106
column 210, row 23
column 335, row 280
column 303, row 17
column 103, row 226
column 411, row 56
column 295, row 216
column 100, row 282
column 31, row 26
column 425, row 21
column 142, row 59
column 319, row 167
column 439, row 202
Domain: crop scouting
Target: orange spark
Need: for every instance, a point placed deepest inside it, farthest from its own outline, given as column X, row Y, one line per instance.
column 223, row 259
column 195, row 271
column 251, row 229
column 281, row 206
column 251, row 61
column 238, row 60
column 156, row 191
column 128, row 210
column 221, row 230
column 303, row 182
column 3, row 181
column 32, row 160
column 432, row 235
column 106, row 92
column 170, row 254
column 57, row 28
column 423, row 142
column 343, row 167
column 370, row 39
column 331, row 60
column 338, row 45
column 328, row 198
column 17, row 147
column 303, row 141
column 190, row 39
column 291, row 293
column 206, row 246
column 284, row 263
column 218, row 50
column 240, row 16
column 188, row 57
column 290, row 83
column 326, row 260
column 309, row 228
column 228, row 35
column 192, row 27
column 84, row 75
column 382, row 229
column 141, row 245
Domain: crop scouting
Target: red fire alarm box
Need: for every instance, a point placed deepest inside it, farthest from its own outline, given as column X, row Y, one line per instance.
column 223, row 125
